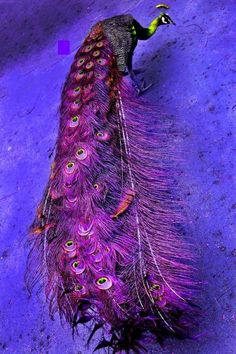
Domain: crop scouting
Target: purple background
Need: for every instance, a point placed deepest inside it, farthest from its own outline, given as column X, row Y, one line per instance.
column 193, row 68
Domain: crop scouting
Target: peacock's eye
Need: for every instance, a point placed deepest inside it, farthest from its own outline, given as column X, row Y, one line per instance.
column 164, row 20
column 95, row 186
column 81, row 154
column 75, row 264
column 77, row 89
column 70, row 167
column 102, row 280
column 77, row 101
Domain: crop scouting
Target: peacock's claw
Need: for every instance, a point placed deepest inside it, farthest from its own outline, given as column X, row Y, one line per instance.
column 140, row 88
column 143, row 88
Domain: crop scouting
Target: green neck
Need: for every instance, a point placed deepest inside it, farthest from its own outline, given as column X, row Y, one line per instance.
column 145, row 33
column 153, row 26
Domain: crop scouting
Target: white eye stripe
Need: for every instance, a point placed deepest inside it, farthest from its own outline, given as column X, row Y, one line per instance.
column 164, row 20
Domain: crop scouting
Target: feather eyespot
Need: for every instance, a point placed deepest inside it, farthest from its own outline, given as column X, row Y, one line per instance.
column 96, row 53
column 75, row 264
column 100, row 76
column 80, row 62
column 78, row 267
column 103, row 136
column 96, row 185
column 74, row 121
column 102, row 62
column 101, row 281
column 89, row 65
column 157, row 290
column 96, row 35
column 100, row 134
column 155, row 287
column 85, row 230
column 70, row 248
column 81, row 154
column 104, row 283
column 71, row 200
column 74, row 107
column 78, row 287
column 88, row 48
column 70, row 167
column 77, row 89
column 79, row 75
column 99, row 44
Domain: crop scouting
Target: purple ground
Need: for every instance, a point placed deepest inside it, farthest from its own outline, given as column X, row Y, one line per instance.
column 193, row 69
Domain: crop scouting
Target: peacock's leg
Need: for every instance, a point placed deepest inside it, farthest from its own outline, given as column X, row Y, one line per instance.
column 139, row 88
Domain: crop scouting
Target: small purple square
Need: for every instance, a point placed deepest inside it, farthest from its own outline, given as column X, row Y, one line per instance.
column 63, row 47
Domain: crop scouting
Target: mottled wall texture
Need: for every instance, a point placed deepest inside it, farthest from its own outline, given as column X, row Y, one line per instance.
column 193, row 69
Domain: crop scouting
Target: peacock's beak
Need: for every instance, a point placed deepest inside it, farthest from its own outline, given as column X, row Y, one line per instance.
column 173, row 23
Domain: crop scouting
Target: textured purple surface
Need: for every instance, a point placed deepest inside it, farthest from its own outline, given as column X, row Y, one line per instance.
column 63, row 47
column 192, row 67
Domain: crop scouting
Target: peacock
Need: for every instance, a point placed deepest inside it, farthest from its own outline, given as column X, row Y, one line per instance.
column 106, row 242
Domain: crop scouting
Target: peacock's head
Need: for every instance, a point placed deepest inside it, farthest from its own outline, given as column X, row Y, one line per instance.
column 165, row 20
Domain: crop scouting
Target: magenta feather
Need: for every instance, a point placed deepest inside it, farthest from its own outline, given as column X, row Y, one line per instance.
column 105, row 240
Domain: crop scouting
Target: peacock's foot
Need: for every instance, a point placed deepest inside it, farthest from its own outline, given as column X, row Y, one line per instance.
column 143, row 87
